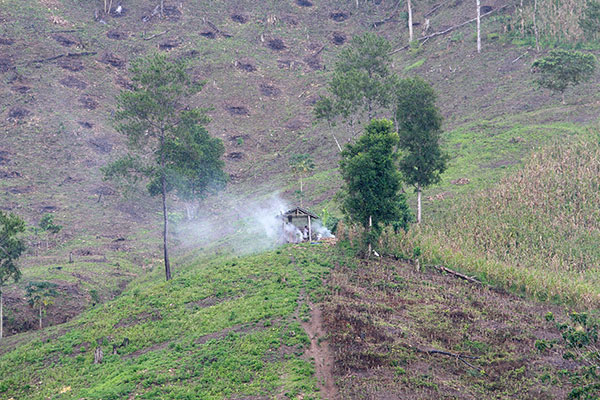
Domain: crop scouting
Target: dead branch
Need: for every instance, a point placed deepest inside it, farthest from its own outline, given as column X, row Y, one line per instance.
column 319, row 51
column 434, row 9
column 457, row 274
column 220, row 32
column 43, row 60
column 155, row 35
column 460, row 357
column 518, row 58
column 452, row 28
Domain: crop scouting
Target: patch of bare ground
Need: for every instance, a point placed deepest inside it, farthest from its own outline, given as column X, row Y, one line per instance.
column 399, row 333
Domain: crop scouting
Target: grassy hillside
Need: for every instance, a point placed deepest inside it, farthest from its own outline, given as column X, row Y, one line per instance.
column 246, row 328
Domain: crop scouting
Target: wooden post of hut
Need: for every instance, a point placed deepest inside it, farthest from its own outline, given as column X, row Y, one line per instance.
column 309, row 229
column 300, row 217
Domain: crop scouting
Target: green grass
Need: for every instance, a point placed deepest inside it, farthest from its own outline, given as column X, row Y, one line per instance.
column 218, row 329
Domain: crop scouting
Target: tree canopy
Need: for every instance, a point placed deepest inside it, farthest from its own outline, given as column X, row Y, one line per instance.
column 168, row 145
column 419, row 129
column 362, row 82
column 563, row 68
column 372, row 183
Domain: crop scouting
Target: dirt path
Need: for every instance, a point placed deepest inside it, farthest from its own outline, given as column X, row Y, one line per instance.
column 320, row 352
column 319, row 349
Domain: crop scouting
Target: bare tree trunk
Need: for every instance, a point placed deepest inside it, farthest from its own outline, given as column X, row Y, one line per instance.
column 163, row 181
column 370, row 227
column 336, row 142
column 162, row 8
column 410, row 21
column 563, row 97
column 479, row 26
column 418, row 204
column 535, row 30
column 356, row 3
column 40, row 316
column 1, row 314
column 301, row 193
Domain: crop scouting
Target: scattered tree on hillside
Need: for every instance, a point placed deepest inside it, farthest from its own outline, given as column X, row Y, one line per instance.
column 301, row 165
column 563, row 68
column 167, row 143
column 11, row 248
column 419, row 129
column 40, row 295
column 371, row 193
column 47, row 224
column 362, row 82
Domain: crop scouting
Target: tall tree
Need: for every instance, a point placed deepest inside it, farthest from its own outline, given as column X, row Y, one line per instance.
column 11, row 248
column 167, row 144
column 40, row 295
column 410, row 20
column 563, row 68
column 372, row 183
column 419, row 129
column 478, row 5
column 362, row 82
column 301, row 165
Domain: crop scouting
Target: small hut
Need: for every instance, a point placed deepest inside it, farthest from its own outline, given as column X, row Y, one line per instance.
column 300, row 218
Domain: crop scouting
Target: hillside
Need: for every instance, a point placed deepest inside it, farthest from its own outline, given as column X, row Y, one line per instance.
column 517, row 209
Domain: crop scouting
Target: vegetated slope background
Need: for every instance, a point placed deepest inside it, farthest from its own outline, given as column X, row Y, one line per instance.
column 265, row 64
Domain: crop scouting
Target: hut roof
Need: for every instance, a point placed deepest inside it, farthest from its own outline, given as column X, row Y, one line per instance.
column 298, row 211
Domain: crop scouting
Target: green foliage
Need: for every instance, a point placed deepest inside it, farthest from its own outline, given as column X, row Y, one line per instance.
column 11, row 247
column 590, row 20
column 362, row 82
column 563, row 68
column 301, row 164
column 40, row 294
column 47, row 224
column 419, row 128
column 371, row 180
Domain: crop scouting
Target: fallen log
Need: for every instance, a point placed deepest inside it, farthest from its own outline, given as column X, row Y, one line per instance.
column 460, row 357
column 455, row 273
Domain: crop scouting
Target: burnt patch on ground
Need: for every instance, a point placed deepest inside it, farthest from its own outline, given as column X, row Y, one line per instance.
column 9, row 174
column 18, row 113
column 339, row 16
column 172, row 13
column 116, row 35
column 208, row 34
column 4, row 157
column 304, row 3
column 236, row 109
column 338, row 38
column 486, row 9
column 5, row 41
column 169, row 44
column 235, row 156
column 314, row 62
column 112, row 60
column 101, row 145
column 269, row 90
column 22, row 89
column 72, row 82
column 65, row 40
column 88, row 102
column 239, row 18
column 6, row 64
column 85, row 124
column 296, row 124
column 246, row 65
column 70, row 64
column 276, row 44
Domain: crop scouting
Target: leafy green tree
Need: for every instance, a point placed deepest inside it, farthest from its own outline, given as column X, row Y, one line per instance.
column 563, row 68
column 371, row 193
column 362, row 82
column 47, row 224
column 590, row 20
column 168, row 146
column 11, row 248
column 301, row 165
column 40, row 295
column 419, row 129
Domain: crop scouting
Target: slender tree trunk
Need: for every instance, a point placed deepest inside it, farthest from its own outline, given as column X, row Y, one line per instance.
column 370, row 228
column 163, row 181
column 337, row 143
column 479, row 26
column 535, row 30
column 40, row 316
column 418, row 204
column 301, row 193
column 410, row 21
column 1, row 314
column 162, row 8
column 562, row 94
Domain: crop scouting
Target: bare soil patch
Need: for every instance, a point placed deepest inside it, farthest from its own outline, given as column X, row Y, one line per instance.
column 172, row 13
column 304, row 3
column 21, row 89
column 113, row 60
column 88, row 102
column 246, row 65
column 17, row 113
column 139, row 319
column 235, row 109
column 338, row 38
column 70, row 64
column 239, row 18
column 101, row 145
column 6, row 64
column 269, row 90
column 4, row 157
column 276, row 44
column 72, row 82
column 339, row 16
column 116, row 35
